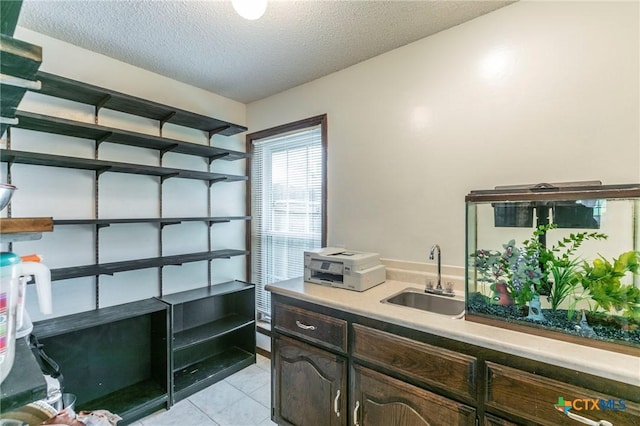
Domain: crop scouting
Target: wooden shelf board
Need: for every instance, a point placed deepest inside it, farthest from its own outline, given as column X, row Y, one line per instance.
column 79, row 129
column 130, row 265
column 19, row 58
column 129, row 399
column 25, row 224
column 97, row 318
column 164, row 220
column 38, row 159
column 11, row 98
column 204, row 292
column 86, row 93
column 211, row 369
column 212, row 330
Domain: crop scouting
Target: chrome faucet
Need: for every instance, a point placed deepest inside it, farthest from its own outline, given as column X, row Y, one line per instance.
column 431, row 256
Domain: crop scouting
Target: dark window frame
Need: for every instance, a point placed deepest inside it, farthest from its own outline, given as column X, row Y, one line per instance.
column 320, row 120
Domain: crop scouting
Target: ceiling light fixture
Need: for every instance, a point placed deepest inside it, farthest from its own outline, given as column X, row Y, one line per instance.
column 250, row 9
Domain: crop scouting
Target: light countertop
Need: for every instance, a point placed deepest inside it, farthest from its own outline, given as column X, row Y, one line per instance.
column 612, row 365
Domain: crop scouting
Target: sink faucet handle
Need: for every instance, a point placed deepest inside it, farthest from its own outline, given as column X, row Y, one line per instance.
column 449, row 287
column 430, row 285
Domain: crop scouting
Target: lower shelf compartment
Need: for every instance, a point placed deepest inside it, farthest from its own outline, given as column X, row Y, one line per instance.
column 212, row 330
column 206, row 372
column 132, row 402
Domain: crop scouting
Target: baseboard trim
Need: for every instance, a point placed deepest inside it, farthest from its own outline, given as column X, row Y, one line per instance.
column 263, row 352
column 264, row 329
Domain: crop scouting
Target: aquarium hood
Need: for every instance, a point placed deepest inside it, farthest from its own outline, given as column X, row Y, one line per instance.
column 566, row 204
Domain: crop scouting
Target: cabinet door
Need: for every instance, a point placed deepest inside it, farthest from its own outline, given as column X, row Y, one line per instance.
column 535, row 399
column 309, row 385
column 382, row 400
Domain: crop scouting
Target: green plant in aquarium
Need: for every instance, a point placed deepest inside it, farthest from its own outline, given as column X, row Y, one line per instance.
column 602, row 280
column 526, row 271
column 557, row 262
column 490, row 267
column 525, row 274
column 518, row 269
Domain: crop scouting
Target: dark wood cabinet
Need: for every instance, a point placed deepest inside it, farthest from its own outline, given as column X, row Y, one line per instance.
column 490, row 420
column 309, row 384
column 440, row 368
column 381, row 400
column 533, row 399
column 405, row 377
column 312, row 326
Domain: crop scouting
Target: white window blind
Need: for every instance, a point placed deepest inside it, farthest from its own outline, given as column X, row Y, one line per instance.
column 286, row 192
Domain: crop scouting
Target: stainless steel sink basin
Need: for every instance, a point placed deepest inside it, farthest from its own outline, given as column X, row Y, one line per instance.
column 418, row 299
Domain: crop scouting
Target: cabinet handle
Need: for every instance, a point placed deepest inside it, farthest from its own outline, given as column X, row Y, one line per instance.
column 336, row 408
column 588, row 421
column 305, row 326
column 355, row 414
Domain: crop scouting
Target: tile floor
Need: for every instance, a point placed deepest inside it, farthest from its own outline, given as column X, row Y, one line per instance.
column 242, row 399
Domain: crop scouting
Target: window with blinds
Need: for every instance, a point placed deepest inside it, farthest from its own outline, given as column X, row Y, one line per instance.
column 287, row 203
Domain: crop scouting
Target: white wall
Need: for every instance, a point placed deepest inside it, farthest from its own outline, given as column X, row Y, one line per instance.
column 533, row 92
column 65, row 194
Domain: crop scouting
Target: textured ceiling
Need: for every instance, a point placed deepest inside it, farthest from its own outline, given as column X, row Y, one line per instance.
column 206, row 44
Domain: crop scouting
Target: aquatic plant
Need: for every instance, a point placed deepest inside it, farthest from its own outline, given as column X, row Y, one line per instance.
column 518, row 269
column 603, row 281
column 534, row 268
column 558, row 264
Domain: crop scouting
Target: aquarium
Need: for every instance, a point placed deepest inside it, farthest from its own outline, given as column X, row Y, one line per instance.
column 557, row 260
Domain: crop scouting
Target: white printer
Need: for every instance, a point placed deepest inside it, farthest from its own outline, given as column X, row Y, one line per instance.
column 338, row 267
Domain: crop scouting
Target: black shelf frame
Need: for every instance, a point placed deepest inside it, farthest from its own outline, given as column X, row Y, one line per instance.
column 9, row 12
column 132, row 402
column 137, row 331
column 101, row 166
column 62, row 87
column 204, row 373
column 130, row 265
column 201, row 293
column 210, row 220
column 11, row 97
column 13, row 89
column 143, row 330
column 79, row 129
column 95, row 318
column 19, row 58
column 214, row 332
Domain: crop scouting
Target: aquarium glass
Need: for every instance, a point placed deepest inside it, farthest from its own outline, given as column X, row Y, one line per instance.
column 563, row 260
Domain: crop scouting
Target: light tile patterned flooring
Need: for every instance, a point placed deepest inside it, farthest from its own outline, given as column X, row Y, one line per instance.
column 242, row 399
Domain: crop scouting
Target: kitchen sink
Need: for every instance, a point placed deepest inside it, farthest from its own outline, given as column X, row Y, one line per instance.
column 418, row 299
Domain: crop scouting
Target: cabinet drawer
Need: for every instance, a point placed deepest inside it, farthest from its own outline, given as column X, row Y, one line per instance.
column 436, row 366
column 490, row 420
column 534, row 398
column 311, row 326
